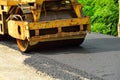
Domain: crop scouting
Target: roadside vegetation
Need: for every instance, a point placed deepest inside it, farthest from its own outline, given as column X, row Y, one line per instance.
column 104, row 15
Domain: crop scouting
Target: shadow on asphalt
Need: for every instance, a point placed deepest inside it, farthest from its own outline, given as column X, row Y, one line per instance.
column 9, row 42
column 89, row 46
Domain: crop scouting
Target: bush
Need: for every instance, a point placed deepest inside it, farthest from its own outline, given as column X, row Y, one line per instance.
column 104, row 15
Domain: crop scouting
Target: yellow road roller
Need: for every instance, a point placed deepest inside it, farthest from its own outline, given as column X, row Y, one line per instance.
column 36, row 21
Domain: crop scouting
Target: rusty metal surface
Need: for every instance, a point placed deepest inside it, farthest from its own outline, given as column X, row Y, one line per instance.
column 59, row 23
column 62, row 36
column 19, row 30
column 14, row 2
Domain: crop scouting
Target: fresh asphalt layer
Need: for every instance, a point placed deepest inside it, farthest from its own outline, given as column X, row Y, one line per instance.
column 97, row 58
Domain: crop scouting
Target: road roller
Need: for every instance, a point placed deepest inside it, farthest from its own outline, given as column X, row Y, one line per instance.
column 36, row 21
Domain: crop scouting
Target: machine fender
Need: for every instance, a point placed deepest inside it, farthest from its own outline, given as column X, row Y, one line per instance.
column 18, row 29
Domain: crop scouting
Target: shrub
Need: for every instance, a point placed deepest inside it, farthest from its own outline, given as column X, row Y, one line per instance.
column 104, row 15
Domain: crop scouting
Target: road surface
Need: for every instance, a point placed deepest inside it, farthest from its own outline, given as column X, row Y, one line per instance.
column 98, row 58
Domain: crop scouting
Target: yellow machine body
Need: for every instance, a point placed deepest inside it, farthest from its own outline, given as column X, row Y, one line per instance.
column 34, row 21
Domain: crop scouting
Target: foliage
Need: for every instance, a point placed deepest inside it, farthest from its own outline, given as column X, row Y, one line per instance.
column 104, row 15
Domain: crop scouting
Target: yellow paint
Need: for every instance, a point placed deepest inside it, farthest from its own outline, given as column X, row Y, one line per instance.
column 36, row 25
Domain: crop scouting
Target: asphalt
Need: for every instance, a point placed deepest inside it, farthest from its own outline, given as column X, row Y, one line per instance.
column 98, row 58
